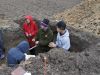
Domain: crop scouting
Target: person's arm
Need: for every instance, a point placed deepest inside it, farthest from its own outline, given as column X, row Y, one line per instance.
column 34, row 33
column 38, row 35
column 57, row 44
column 66, row 43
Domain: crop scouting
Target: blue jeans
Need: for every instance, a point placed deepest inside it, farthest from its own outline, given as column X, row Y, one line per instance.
column 23, row 46
column 16, row 55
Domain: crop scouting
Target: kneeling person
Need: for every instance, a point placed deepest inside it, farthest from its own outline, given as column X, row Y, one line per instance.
column 62, row 40
column 44, row 37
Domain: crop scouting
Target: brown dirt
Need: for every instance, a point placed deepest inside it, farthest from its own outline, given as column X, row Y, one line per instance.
column 37, row 8
column 84, row 17
column 84, row 33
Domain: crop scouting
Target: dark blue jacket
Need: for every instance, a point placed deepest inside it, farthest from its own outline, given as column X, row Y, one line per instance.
column 16, row 55
column 1, row 43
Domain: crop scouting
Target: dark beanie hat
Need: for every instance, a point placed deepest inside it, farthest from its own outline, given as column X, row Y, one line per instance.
column 45, row 22
column 61, row 25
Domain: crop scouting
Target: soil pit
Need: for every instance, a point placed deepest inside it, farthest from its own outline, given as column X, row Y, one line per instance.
column 13, row 37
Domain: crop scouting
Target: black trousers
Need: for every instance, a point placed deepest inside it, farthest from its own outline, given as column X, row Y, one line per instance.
column 33, row 52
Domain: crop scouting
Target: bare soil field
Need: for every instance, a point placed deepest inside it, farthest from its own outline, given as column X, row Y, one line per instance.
column 37, row 8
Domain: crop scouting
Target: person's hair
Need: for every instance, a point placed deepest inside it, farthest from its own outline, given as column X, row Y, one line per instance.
column 61, row 25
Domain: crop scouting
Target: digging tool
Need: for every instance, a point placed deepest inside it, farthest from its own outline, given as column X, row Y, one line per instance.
column 45, row 61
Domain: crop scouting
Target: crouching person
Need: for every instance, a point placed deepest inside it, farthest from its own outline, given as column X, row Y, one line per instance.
column 62, row 40
column 17, row 54
column 44, row 37
column 30, row 29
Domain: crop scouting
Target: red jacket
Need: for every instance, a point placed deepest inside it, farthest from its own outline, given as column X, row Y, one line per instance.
column 30, row 28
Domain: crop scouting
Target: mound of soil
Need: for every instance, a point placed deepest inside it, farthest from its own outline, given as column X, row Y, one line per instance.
column 84, row 17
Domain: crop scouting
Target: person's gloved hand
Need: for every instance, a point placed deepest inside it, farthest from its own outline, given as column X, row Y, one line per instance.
column 33, row 39
column 28, row 56
column 37, row 42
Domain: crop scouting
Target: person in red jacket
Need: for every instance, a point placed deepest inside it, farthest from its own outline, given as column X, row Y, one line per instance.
column 30, row 29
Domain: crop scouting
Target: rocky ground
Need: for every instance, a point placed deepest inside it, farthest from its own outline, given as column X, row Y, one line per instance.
column 84, row 17
column 38, row 8
column 83, row 23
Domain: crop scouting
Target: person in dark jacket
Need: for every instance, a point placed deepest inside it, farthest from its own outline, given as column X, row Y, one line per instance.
column 44, row 37
column 16, row 55
column 1, row 46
